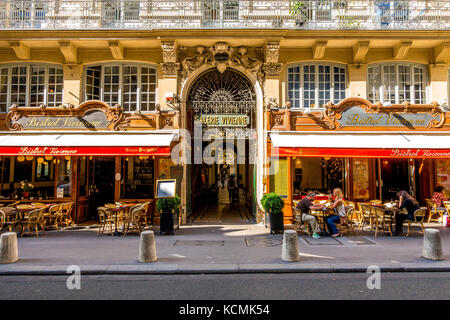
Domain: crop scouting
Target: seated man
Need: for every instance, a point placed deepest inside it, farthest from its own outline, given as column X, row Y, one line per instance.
column 305, row 206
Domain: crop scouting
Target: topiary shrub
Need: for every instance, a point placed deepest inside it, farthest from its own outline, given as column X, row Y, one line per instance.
column 272, row 203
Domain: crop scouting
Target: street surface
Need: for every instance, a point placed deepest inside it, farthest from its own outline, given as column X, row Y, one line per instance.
column 404, row 286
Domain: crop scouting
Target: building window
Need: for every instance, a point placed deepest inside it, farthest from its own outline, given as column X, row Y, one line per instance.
column 31, row 85
column 132, row 86
column 396, row 83
column 314, row 85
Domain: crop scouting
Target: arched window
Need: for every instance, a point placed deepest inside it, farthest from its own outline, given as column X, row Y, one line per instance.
column 133, row 86
column 396, row 83
column 31, row 85
column 315, row 84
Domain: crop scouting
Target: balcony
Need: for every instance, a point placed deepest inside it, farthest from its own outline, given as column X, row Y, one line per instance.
column 223, row 14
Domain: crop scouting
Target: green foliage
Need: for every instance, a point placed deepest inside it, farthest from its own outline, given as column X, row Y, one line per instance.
column 168, row 204
column 273, row 203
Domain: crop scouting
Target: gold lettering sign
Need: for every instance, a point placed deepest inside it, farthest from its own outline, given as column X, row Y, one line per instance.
column 222, row 120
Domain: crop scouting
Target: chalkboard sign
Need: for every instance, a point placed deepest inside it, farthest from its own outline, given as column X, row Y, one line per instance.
column 166, row 188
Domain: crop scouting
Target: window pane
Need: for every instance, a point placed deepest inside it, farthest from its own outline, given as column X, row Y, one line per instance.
column 404, row 85
column 3, row 89
column 419, row 86
column 18, row 86
column 389, row 82
column 111, row 93
column 55, row 87
column 148, row 89
column 294, row 86
column 309, row 82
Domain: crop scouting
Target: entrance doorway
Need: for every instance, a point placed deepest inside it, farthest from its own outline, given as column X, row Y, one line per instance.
column 221, row 119
column 102, row 171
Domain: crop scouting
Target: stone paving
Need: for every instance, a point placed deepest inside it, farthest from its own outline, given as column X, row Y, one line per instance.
column 223, row 248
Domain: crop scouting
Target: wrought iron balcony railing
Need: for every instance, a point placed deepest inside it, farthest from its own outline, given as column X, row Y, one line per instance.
column 223, row 14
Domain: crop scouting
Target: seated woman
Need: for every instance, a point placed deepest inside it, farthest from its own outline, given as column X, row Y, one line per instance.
column 339, row 211
column 411, row 205
column 438, row 197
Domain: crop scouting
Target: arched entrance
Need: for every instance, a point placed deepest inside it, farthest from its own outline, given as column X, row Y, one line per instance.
column 221, row 111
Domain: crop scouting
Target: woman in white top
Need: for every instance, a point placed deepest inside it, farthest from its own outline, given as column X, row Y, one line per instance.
column 339, row 209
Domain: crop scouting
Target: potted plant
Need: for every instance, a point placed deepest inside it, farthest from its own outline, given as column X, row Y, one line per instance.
column 26, row 188
column 167, row 208
column 273, row 204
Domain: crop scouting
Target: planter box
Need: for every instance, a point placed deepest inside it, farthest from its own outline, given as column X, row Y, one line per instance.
column 276, row 223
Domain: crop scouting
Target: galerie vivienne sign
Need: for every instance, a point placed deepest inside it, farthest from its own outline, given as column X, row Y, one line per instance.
column 357, row 117
column 222, row 120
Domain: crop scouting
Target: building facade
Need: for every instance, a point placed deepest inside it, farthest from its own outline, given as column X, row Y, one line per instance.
column 99, row 99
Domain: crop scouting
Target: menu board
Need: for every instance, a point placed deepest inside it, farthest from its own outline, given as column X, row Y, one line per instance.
column 166, row 188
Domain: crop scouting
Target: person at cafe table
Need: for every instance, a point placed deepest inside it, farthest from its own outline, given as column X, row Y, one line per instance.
column 339, row 212
column 411, row 205
column 305, row 206
column 438, row 197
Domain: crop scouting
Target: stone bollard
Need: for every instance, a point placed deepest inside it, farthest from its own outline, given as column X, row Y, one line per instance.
column 9, row 252
column 290, row 251
column 147, row 247
column 432, row 249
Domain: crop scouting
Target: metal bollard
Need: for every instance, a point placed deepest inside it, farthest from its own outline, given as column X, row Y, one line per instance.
column 432, row 248
column 9, row 252
column 290, row 249
column 147, row 247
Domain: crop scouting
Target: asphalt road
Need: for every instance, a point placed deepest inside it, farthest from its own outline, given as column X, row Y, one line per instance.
column 404, row 286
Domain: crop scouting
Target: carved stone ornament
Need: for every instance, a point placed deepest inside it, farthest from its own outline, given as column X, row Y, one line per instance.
column 377, row 115
column 221, row 55
column 169, row 51
column 170, row 68
column 90, row 115
column 272, row 69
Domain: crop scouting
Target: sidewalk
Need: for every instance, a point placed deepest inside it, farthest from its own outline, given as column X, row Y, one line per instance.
column 240, row 248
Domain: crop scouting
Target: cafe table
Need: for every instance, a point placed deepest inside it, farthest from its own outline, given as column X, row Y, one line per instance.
column 116, row 212
column 323, row 214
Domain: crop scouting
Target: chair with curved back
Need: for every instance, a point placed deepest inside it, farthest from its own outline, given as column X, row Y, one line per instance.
column 32, row 222
column 148, row 213
column 135, row 219
column 419, row 218
column 105, row 220
column 67, row 209
column 366, row 216
column 381, row 221
column 55, row 215
column 433, row 211
column 347, row 221
column 11, row 218
column 298, row 222
column 13, row 205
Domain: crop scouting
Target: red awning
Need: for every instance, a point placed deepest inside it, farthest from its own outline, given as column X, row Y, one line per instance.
column 360, row 152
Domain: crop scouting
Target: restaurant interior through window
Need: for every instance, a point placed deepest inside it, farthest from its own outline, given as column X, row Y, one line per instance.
column 90, row 181
column 361, row 178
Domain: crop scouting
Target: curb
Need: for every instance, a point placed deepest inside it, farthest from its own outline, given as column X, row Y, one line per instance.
column 161, row 269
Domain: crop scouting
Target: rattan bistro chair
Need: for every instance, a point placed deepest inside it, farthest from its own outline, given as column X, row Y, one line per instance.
column 433, row 211
column 298, row 222
column 55, row 216
column 135, row 220
column 347, row 221
column 67, row 209
column 11, row 220
column 33, row 221
column 106, row 221
column 366, row 216
column 419, row 218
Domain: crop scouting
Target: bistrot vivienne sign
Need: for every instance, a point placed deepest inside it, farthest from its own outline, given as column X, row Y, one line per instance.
column 361, row 153
column 94, row 119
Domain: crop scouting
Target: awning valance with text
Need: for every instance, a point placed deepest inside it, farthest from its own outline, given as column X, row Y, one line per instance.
column 86, row 144
column 360, row 145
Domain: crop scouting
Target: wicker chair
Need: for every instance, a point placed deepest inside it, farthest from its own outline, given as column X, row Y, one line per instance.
column 33, row 222
column 419, row 218
column 381, row 221
column 298, row 223
column 67, row 209
column 347, row 221
column 366, row 216
column 55, row 216
column 11, row 218
column 433, row 211
column 135, row 219
column 105, row 220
